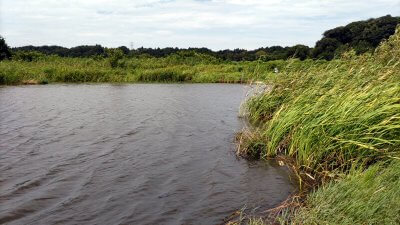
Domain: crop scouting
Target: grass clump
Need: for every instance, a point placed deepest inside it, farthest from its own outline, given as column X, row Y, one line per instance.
column 337, row 124
column 369, row 197
column 330, row 117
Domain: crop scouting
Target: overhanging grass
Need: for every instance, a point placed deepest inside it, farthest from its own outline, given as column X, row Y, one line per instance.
column 362, row 197
column 337, row 124
column 333, row 116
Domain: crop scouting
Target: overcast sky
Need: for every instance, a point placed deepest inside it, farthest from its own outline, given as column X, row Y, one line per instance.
column 216, row 24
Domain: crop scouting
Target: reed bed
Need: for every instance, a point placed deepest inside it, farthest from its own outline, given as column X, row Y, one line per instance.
column 337, row 125
column 195, row 68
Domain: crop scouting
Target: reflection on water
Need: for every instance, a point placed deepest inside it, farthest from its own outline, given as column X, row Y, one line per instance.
column 127, row 154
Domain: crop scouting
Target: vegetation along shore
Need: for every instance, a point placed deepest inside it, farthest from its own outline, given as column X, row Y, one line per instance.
column 337, row 125
column 50, row 64
column 332, row 114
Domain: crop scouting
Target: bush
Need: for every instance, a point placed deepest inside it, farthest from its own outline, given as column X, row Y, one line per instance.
column 115, row 57
column 28, row 56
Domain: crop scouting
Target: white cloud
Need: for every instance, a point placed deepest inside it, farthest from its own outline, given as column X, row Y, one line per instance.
column 216, row 24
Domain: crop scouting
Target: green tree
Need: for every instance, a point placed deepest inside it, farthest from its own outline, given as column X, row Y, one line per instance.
column 298, row 51
column 260, row 54
column 124, row 49
column 115, row 56
column 325, row 48
column 362, row 36
column 4, row 49
column 28, row 56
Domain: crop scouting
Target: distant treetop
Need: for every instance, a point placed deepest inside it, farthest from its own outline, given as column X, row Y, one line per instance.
column 362, row 36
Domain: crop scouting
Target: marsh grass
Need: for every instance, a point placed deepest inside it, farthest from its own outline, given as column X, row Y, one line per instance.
column 334, row 116
column 368, row 197
column 195, row 68
column 337, row 125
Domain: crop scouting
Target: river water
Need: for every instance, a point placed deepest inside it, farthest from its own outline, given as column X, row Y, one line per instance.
column 127, row 154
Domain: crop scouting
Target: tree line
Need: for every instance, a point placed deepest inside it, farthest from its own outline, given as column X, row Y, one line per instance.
column 362, row 36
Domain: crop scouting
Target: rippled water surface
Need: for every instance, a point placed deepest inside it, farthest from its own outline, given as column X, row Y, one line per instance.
column 127, row 154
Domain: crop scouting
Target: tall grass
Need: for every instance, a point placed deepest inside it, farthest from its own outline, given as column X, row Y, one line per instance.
column 196, row 68
column 338, row 125
column 331, row 117
column 370, row 197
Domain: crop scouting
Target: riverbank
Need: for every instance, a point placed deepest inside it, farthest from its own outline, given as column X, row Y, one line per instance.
column 195, row 68
column 338, row 126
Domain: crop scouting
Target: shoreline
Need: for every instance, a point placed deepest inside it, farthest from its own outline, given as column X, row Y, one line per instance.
column 337, row 127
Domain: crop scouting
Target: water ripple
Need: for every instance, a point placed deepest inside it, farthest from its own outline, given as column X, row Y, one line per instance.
column 127, row 154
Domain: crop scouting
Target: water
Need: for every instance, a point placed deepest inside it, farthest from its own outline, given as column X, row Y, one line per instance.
column 127, row 154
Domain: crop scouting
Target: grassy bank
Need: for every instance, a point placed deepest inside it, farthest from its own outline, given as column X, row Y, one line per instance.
column 369, row 197
column 337, row 125
column 194, row 67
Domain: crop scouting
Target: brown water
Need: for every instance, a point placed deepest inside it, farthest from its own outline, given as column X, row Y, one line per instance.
column 127, row 154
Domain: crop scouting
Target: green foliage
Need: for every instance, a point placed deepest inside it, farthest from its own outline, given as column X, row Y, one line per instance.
column 28, row 56
column 115, row 57
column 164, row 75
column 260, row 54
column 78, row 51
column 124, row 49
column 191, row 58
column 337, row 123
column 86, row 51
column 370, row 197
column 4, row 50
column 299, row 51
column 181, row 67
column 332, row 116
column 362, row 36
column 325, row 48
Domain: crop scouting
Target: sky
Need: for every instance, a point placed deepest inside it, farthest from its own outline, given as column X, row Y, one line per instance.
column 215, row 24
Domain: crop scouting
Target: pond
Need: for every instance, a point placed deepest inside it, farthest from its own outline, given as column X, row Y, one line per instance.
column 128, row 154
